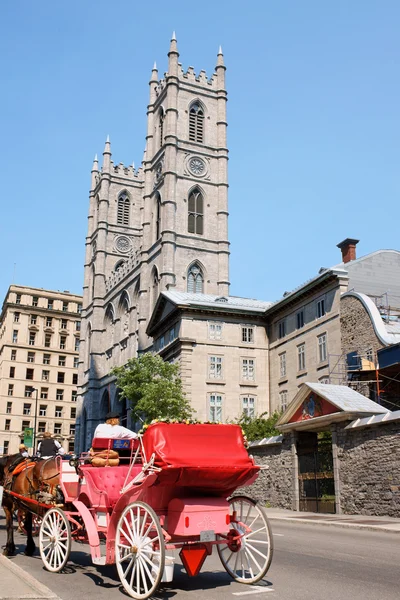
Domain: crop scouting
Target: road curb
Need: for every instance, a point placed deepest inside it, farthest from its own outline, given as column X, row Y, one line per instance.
column 305, row 521
column 39, row 591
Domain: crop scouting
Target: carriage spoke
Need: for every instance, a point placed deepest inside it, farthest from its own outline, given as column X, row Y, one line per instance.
column 254, row 532
column 256, row 550
column 252, row 557
column 146, row 587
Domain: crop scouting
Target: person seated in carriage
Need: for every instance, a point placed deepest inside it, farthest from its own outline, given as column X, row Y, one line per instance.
column 48, row 448
column 112, row 428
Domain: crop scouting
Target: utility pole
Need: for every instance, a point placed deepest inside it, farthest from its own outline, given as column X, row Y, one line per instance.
column 35, row 420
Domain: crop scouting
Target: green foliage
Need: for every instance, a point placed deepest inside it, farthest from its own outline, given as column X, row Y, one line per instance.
column 153, row 388
column 259, row 427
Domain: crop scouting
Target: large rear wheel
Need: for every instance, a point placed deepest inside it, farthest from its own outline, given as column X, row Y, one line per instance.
column 139, row 550
column 247, row 553
column 55, row 540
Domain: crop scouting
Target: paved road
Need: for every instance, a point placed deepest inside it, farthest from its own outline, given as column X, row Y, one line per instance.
column 310, row 562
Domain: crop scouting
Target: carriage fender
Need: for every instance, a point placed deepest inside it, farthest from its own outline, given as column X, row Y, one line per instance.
column 133, row 494
column 91, row 530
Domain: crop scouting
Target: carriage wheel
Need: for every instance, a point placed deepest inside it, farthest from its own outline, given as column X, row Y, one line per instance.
column 55, row 540
column 139, row 550
column 248, row 558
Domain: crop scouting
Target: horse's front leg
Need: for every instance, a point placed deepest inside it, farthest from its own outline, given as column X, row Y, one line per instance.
column 30, row 544
column 8, row 506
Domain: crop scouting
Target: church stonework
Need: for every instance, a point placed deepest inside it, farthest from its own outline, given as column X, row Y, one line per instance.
column 163, row 226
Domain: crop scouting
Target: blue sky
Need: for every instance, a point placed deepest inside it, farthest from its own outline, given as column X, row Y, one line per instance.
column 313, row 112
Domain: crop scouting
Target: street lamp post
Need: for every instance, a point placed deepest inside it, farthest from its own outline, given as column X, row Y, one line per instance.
column 35, row 420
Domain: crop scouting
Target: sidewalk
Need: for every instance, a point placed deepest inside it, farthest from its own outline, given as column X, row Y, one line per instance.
column 350, row 521
column 17, row 583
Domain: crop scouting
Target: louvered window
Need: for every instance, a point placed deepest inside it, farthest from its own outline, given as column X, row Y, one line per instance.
column 195, row 212
column 158, row 217
column 196, row 123
column 161, row 128
column 123, row 210
column 195, row 280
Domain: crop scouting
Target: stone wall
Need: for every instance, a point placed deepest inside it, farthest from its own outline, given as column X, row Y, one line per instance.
column 274, row 486
column 370, row 470
column 358, row 334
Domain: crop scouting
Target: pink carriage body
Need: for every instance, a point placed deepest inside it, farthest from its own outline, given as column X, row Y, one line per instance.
column 194, row 468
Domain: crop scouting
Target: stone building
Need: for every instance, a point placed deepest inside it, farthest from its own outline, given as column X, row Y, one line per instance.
column 222, row 347
column 305, row 327
column 338, row 453
column 161, row 227
column 157, row 268
column 39, row 349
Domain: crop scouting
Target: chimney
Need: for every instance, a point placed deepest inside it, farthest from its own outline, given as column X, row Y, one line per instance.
column 348, row 248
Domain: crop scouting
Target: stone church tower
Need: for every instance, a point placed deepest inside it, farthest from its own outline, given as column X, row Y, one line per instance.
column 161, row 227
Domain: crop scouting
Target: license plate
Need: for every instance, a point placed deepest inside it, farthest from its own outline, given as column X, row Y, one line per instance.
column 207, row 535
column 1, row 494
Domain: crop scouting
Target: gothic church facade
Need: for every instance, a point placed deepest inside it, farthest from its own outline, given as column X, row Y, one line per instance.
column 161, row 227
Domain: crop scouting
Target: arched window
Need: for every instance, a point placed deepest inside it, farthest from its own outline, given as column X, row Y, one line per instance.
column 155, row 282
column 196, row 123
column 92, row 282
column 195, row 279
column 123, row 209
column 109, row 316
column 195, row 212
column 158, row 216
column 161, row 127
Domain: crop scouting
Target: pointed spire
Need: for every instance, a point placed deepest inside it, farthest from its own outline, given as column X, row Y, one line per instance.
column 154, row 73
column 173, row 46
column 173, row 55
column 95, row 164
column 220, row 58
column 107, row 147
column 107, row 156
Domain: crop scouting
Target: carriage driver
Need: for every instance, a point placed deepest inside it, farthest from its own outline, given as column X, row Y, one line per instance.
column 112, row 429
column 48, row 448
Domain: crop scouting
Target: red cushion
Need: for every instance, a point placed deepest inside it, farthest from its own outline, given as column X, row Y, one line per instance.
column 114, row 443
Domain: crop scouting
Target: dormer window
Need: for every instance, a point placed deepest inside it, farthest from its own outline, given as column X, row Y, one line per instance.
column 196, row 123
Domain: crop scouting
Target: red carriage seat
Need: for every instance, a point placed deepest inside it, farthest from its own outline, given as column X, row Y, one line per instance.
column 103, row 485
column 201, row 457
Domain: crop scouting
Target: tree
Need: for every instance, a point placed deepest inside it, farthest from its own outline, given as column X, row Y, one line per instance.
column 153, row 388
column 259, row 427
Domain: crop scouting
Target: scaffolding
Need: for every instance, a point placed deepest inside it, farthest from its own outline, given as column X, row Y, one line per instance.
column 346, row 369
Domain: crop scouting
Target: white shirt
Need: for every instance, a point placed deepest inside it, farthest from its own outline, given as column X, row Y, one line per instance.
column 105, row 430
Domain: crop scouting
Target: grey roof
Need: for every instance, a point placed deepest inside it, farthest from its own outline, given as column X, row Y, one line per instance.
column 212, row 301
column 270, row 441
column 375, row 420
column 323, row 273
column 343, row 265
column 346, row 398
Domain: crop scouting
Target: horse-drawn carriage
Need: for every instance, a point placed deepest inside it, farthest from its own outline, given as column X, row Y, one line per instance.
column 172, row 489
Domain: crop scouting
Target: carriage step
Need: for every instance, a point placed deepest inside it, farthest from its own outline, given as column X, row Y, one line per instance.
column 100, row 560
